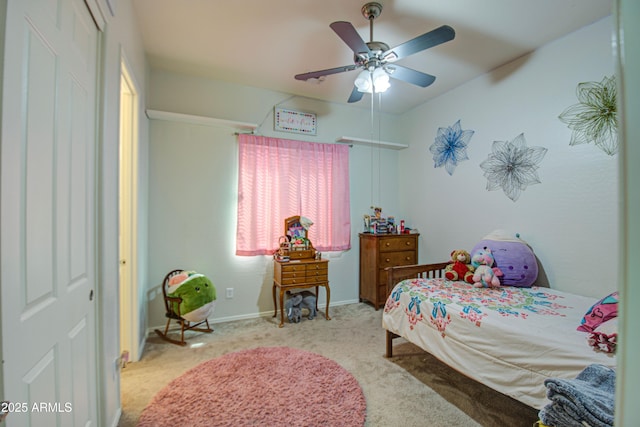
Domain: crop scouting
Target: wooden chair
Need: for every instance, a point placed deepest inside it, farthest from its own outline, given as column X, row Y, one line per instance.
column 172, row 307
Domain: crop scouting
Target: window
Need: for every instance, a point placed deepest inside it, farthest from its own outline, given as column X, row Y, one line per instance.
column 279, row 178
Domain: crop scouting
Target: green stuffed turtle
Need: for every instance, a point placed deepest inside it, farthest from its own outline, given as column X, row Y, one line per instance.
column 197, row 293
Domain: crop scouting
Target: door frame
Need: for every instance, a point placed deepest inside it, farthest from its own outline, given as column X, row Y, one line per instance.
column 128, row 148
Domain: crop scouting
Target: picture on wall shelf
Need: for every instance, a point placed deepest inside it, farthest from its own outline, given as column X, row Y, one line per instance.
column 295, row 121
column 450, row 147
column 512, row 166
column 594, row 118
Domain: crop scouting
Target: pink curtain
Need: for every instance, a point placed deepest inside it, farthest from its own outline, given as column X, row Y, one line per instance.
column 279, row 178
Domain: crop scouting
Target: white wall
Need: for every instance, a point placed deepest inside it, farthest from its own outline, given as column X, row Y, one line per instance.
column 193, row 188
column 571, row 218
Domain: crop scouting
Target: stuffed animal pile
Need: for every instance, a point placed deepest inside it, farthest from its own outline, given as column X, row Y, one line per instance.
column 499, row 259
column 298, row 301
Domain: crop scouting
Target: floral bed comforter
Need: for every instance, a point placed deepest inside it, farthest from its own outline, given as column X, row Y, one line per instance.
column 434, row 300
column 508, row 338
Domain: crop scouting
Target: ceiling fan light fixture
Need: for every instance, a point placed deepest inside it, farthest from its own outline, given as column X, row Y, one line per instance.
column 380, row 80
column 368, row 81
column 363, row 82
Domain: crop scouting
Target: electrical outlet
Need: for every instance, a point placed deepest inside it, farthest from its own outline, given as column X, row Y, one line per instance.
column 229, row 293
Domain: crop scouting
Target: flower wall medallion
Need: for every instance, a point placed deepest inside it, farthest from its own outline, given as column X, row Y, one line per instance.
column 450, row 147
column 594, row 118
column 512, row 166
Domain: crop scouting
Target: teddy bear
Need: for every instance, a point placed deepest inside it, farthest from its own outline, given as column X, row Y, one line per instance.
column 485, row 274
column 460, row 267
column 292, row 307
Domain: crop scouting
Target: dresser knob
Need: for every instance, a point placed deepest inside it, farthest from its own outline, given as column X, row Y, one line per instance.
column 408, row 258
column 407, row 243
column 387, row 260
column 387, row 244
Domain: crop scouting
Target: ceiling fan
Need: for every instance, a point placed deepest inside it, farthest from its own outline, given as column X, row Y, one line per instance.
column 377, row 59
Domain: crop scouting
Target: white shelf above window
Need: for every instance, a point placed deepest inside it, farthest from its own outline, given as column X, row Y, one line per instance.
column 199, row 120
column 371, row 142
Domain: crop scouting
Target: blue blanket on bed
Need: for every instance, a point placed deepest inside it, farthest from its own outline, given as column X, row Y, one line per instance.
column 589, row 398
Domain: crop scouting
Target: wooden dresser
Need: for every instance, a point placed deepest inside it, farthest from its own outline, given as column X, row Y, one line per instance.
column 300, row 274
column 378, row 251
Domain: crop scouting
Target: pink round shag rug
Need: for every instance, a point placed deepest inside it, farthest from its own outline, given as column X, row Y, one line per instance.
column 265, row 386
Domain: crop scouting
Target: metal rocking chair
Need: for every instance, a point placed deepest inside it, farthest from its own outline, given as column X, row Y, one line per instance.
column 172, row 307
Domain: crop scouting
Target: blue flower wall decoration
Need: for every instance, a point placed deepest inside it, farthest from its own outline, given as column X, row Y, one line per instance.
column 450, row 147
column 512, row 166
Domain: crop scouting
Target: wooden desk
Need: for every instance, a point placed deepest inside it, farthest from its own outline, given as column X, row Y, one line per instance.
column 305, row 273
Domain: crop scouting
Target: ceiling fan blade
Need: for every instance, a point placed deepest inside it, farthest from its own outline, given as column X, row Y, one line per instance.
column 432, row 38
column 409, row 75
column 320, row 73
column 350, row 36
column 356, row 95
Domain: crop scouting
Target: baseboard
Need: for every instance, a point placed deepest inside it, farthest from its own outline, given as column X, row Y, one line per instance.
column 141, row 346
column 225, row 319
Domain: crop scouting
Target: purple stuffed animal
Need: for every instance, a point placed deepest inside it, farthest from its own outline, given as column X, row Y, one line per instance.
column 512, row 256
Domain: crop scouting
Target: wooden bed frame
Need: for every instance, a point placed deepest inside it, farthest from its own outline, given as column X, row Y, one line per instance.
column 396, row 274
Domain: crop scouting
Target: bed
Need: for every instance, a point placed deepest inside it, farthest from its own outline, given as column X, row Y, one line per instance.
column 510, row 339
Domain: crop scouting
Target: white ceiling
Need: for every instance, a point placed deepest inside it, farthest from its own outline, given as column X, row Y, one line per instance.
column 264, row 43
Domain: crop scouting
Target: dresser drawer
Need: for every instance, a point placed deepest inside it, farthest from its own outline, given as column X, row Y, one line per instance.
column 317, row 267
column 390, row 259
column 293, row 268
column 317, row 272
column 317, row 276
column 293, row 280
column 293, row 275
column 399, row 243
column 301, row 272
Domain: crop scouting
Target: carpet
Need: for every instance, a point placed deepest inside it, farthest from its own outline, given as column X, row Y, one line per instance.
column 275, row 386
